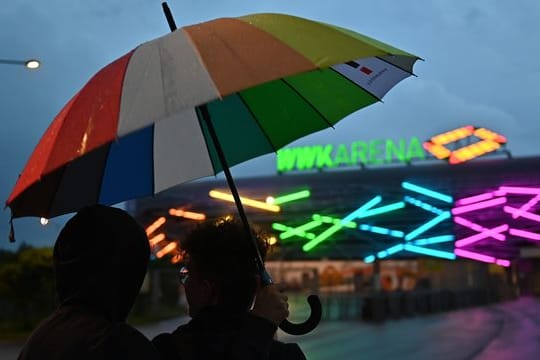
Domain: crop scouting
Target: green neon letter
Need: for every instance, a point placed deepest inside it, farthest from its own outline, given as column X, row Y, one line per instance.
column 323, row 156
column 375, row 152
column 393, row 152
column 358, row 152
column 415, row 150
column 285, row 160
column 342, row 156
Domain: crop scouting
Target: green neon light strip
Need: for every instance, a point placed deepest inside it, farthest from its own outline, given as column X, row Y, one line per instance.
column 292, row 197
column 335, row 228
column 427, row 192
column 382, row 210
column 425, row 227
column 333, row 220
column 300, row 229
column 290, row 231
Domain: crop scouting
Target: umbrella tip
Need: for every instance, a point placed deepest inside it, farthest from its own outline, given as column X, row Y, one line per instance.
column 11, row 231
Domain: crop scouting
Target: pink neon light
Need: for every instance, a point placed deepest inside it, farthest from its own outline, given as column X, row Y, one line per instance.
column 527, row 206
column 475, row 198
column 474, row 238
column 525, row 234
column 481, row 257
column 502, row 262
column 474, row 256
column 519, row 190
column 477, row 206
column 524, row 214
column 479, row 228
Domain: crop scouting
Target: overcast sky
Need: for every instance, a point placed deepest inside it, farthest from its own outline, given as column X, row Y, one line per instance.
column 481, row 68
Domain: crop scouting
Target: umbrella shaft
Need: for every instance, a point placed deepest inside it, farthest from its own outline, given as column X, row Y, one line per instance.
column 265, row 276
column 169, row 16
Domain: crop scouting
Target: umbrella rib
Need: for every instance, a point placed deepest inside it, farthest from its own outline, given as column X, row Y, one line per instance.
column 308, row 102
column 206, row 141
column 49, row 208
column 257, row 121
column 368, row 92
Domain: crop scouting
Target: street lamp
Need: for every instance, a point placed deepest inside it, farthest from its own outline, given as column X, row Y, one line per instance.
column 31, row 64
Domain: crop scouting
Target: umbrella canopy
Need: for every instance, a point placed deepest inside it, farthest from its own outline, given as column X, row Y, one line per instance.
column 136, row 128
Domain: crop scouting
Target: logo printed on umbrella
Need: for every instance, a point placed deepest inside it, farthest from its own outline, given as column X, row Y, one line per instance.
column 366, row 70
column 363, row 69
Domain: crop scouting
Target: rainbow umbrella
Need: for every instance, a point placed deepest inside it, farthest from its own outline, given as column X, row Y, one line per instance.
column 137, row 128
column 198, row 100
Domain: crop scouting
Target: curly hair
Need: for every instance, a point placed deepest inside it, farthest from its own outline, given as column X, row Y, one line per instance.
column 222, row 253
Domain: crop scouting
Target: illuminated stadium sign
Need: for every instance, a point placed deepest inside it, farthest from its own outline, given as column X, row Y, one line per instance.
column 455, row 147
column 372, row 152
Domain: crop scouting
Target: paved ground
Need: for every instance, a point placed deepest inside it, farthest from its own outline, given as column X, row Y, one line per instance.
column 503, row 331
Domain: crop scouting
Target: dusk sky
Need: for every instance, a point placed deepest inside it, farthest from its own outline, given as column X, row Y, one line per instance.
column 481, row 68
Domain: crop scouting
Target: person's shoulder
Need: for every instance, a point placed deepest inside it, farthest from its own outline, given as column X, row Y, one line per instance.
column 286, row 351
column 166, row 347
column 128, row 341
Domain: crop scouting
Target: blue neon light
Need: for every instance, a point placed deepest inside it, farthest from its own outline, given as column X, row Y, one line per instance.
column 381, row 210
column 425, row 227
column 427, row 192
column 423, row 205
column 381, row 230
column 369, row 259
column 395, row 249
column 430, row 252
column 434, row 240
column 336, row 227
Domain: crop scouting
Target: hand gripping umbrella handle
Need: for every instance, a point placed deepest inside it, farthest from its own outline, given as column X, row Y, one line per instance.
column 311, row 322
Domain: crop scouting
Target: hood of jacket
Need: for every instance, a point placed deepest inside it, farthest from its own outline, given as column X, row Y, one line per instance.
column 100, row 260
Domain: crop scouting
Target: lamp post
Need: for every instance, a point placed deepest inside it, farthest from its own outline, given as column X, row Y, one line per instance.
column 31, row 64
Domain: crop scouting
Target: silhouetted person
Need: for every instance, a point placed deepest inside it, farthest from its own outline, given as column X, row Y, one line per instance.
column 100, row 260
column 221, row 280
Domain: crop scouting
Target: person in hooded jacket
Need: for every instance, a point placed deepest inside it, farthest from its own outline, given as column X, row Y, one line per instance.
column 220, row 278
column 100, row 260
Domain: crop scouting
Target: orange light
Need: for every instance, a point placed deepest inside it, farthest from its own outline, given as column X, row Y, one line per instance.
column 472, row 151
column 176, row 258
column 155, row 225
column 489, row 141
column 249, row 202
column 187, row 214
column 167, row 249
column 486, row 134
column 439, row 151
column 454, row 135
column 156, row 239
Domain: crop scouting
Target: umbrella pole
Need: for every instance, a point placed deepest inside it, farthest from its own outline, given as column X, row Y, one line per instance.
column 266, row 279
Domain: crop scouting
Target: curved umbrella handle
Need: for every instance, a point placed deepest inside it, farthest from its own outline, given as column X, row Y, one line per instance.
column 308, row 325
